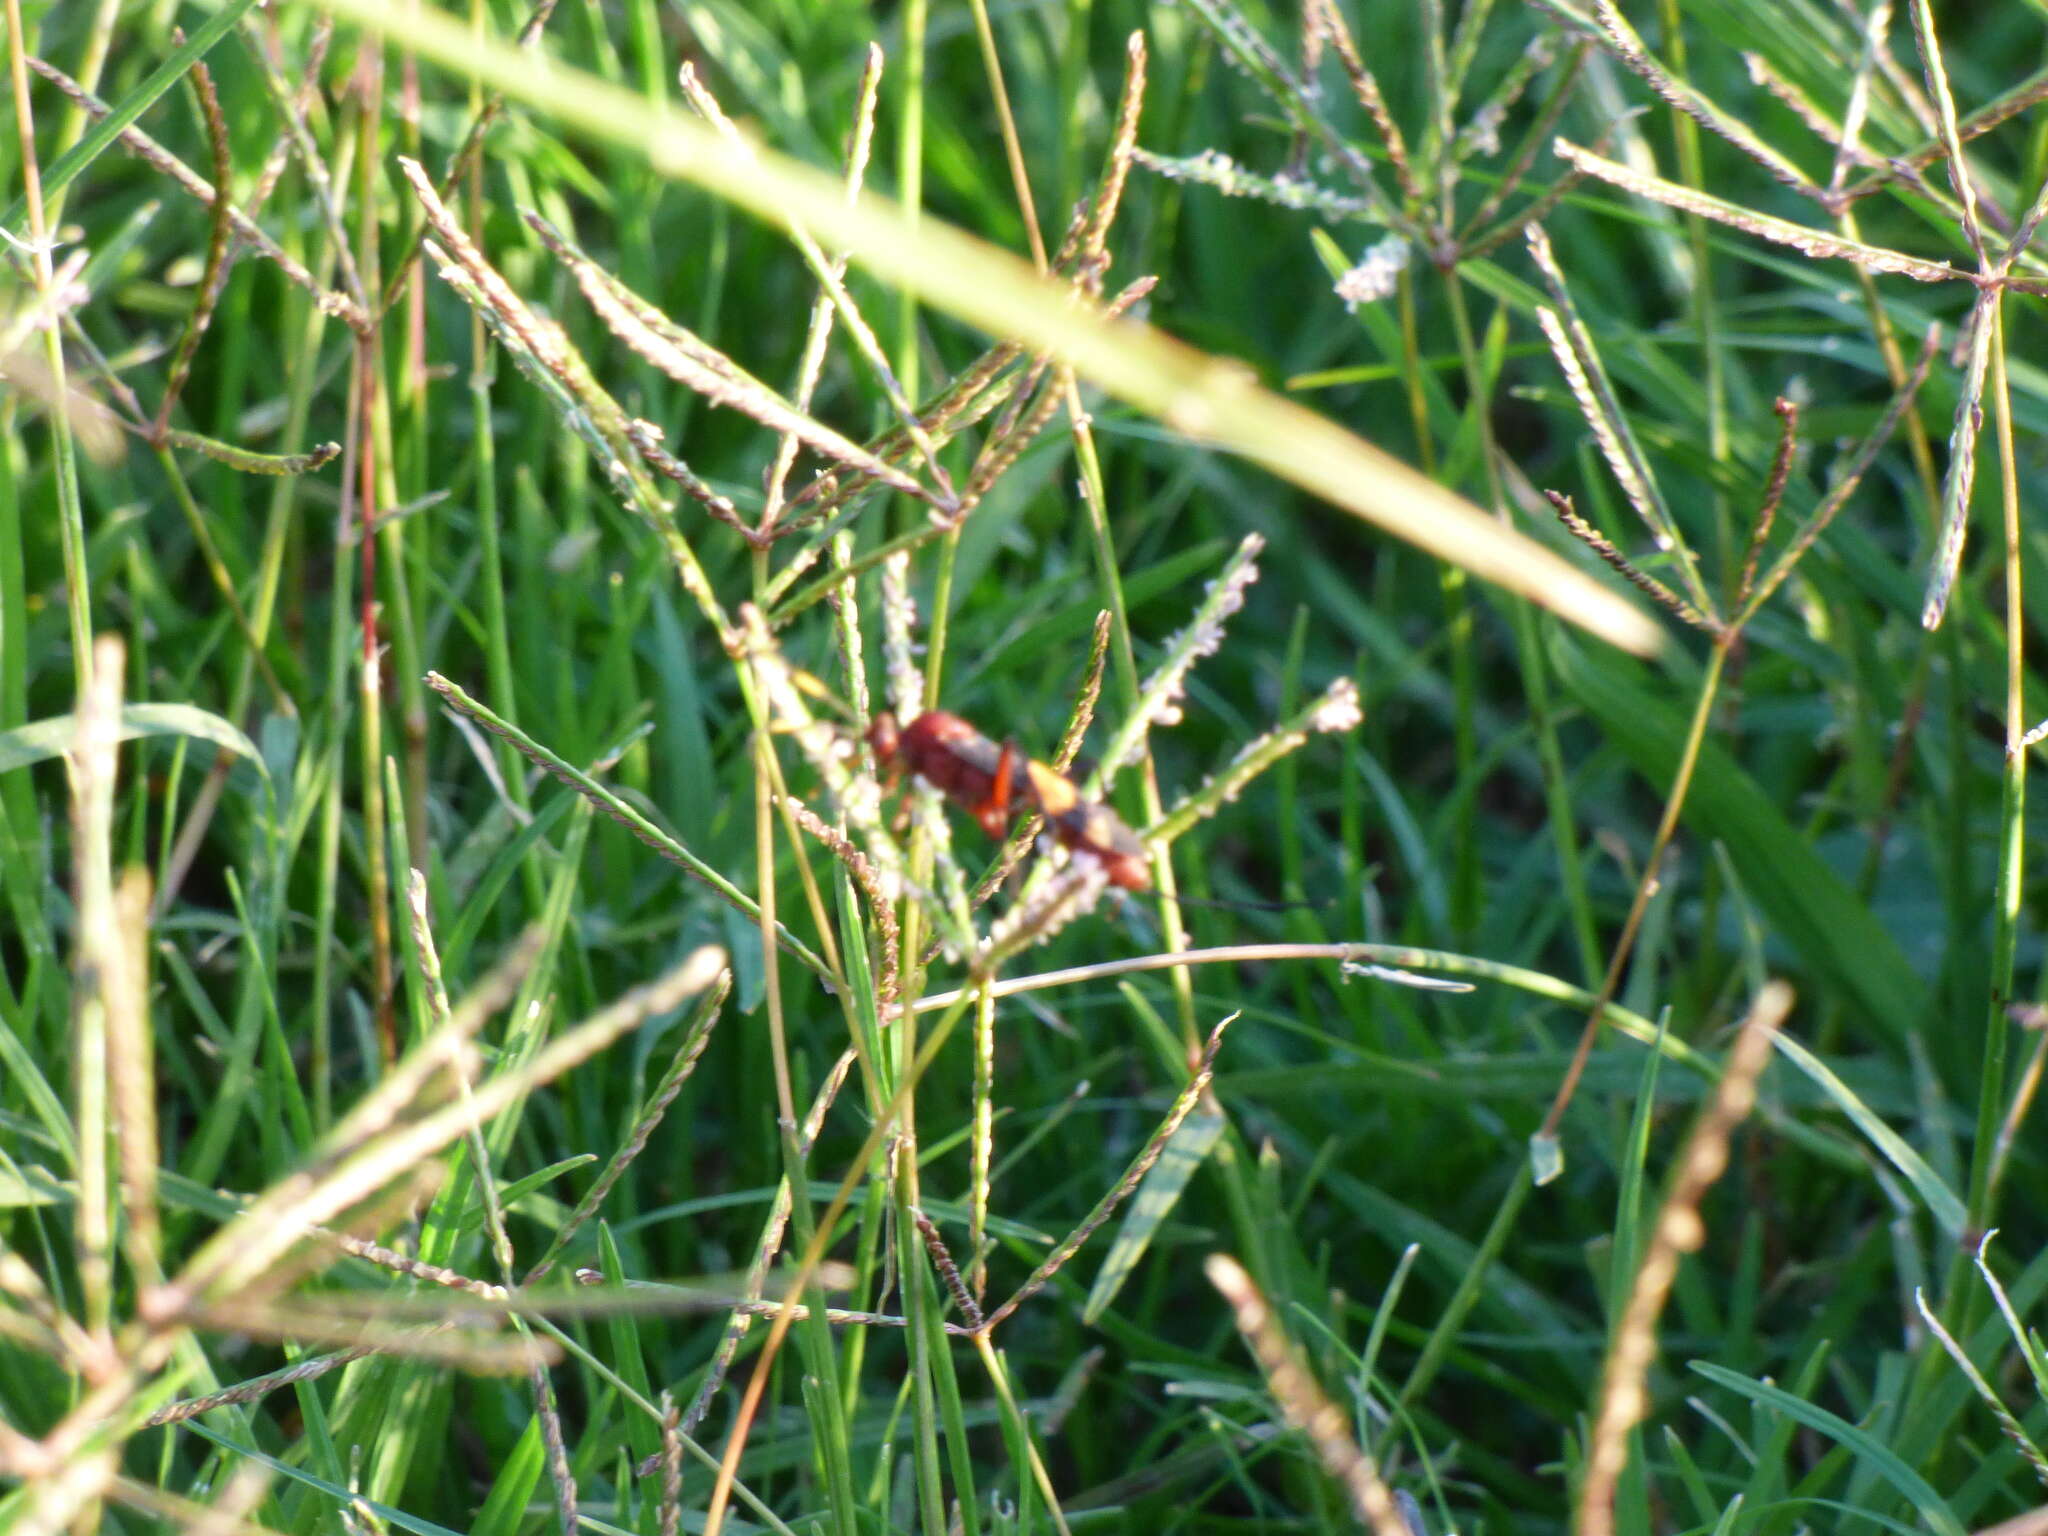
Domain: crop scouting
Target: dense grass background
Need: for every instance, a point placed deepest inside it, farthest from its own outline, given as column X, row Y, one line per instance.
column 1852, row 826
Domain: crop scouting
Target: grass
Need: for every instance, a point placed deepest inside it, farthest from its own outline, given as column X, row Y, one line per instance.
column 457, row 1070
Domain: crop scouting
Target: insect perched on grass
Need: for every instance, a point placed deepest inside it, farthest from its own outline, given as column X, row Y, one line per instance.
column 992, row 782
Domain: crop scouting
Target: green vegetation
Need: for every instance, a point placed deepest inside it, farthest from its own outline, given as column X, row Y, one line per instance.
column 1569, row 1033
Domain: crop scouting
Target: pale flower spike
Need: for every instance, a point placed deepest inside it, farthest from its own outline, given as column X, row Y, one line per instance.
column 1337, row 710
column 899, row 623
column 1213, row 168
column 1073, row 893
column 1159, row 700
column 1377, row 274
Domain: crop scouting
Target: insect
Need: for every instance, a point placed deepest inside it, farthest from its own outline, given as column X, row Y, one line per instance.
column 989, row 782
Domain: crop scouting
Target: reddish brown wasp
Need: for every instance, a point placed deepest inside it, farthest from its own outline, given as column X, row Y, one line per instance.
column 991, row 782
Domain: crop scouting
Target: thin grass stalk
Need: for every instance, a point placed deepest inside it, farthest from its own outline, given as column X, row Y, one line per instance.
column 642, row 829
column 541, row 351
column 771, row 979
column 914, row 1279
column 1466, row 897
column 1443, row 1334
column 1243, row 44
column 1412, row 373
column 483, row 480
column 982, row 1150
column 1543, row 1143
column 63, row 458
column 1557, row 790
column 1533, row 141
column 817, row 1343
column 291, row 106
column 810, row 365
column 427, row 960
column 786, row 806
column 964, row 1517
column 1685, row 135
column 217, row 572
column 1962, row 462
column 1856, row 111
column 366, row 364
column 1815, row 243
column 769, row 1245
column 71, row 127
column 328, row 868
column 1006, row 125
column 2002, row 108
column 1463, row 48
column 1018, row 1425
column 1456, row 596
column 1439, row 92
column 939, row 622
column 2008, row 1423
column 1981, row 1202
column 1936, row 75
column 1335, row 712
column 1627, row 47
column 1090, row 256
column 882, row 1131
column 771, row 698
column 1626, row 568
column 1157, row 701
column 406, row 574
column 2024, row 1093
column 1139, row 714
column 1845, row 485
column 1331, row 24
column 840, row 574
column 699, row 366
column 1481, row 133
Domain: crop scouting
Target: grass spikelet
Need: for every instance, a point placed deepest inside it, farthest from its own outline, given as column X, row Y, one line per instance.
column 1807, row 241
column 1134, row 1175
column 691, row 361
column 1645, row 583
column 1044, row 910
column 1159, row 697
column 145, row 148
column 1335, row 711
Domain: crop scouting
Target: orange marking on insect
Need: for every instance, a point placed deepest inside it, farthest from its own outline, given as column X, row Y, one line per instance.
column 983, row 779
column 1090, row 827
